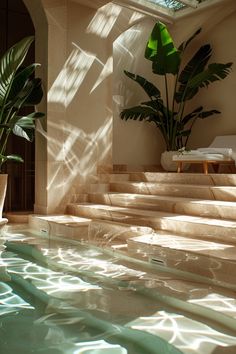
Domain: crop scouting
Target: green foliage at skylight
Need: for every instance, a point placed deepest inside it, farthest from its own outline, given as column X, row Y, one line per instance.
column 171, row 4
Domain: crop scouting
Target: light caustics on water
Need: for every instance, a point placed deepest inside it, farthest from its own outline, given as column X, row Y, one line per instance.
column 102, row 301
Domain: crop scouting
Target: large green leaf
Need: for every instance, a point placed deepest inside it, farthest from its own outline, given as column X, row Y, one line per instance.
column 195, row 66
column 214, row 72
column 137, row 113
column 150, row 89
column 184, row 44
column 27, row 134
column 20, row 79
column 36, row 94
column 162, row 52
column 198, row 113
column 9, row 64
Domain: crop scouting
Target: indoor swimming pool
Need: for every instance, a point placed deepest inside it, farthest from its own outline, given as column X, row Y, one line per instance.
column 59, row 296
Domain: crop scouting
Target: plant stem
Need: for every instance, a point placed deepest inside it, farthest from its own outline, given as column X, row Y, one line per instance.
column 167, row 107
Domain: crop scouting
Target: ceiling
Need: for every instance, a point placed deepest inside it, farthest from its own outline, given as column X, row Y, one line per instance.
column 168, row 9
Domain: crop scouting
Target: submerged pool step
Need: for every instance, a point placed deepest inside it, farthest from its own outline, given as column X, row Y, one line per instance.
column 193, row 226
column 225, row 193
column 171, row 204
column 70, row 226
column 100, row 232
column 213, row 260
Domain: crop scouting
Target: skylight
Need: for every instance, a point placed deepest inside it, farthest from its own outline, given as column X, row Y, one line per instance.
column 170, row 4
column 163, row 8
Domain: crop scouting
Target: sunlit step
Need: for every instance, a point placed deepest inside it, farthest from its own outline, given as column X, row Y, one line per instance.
column 213, row 260
column 227, row 193
column 68, row 226
column 171, row 204
column 113, row 177
column 185, row 178
column 199, row 227
column 100, row 232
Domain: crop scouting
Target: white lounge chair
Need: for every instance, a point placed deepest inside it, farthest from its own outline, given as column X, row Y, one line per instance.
column 221, row 151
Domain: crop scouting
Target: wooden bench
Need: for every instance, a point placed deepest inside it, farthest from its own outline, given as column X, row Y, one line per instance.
column 205, row 163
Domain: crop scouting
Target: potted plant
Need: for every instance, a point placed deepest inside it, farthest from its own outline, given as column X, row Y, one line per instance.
column 169, row 113
column 18, row 89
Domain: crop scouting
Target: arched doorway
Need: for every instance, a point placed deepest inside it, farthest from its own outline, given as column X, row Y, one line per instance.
column 16, row 23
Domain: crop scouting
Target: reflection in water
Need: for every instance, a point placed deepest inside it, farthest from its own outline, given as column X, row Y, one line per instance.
column 188, row 335
column 77, row 299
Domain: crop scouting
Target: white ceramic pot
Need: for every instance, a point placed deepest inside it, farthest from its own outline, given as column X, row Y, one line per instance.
column 3, row 189
column 166, row 161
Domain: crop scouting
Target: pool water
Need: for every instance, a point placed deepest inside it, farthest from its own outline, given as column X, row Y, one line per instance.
column 60, row 296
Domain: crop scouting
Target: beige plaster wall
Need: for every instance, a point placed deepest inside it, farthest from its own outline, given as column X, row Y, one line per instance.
column 134, row 142
column 77, row 136
column 140, row 143
column 83, row 63
column 218, row 29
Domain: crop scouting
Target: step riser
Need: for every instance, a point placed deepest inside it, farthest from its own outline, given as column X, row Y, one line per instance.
column 191, row 262
column 195, row 208
column 186, row 191
column 50, row 228
column 185, row 178
column 186, row 228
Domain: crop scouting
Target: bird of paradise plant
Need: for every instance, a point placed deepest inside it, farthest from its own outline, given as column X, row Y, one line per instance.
column 169, row 114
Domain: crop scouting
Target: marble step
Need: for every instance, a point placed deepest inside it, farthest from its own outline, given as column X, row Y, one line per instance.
column 199, row 227
column 184, row 178
column 67, row 226
column 102, row 232
column 189, row 206
column 226, row 193
column 210, row 259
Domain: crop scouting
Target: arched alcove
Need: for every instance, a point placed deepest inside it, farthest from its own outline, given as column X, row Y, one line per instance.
column 15, row 24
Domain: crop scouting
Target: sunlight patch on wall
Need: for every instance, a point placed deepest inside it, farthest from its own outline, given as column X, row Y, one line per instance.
column 135, row 17
column 78, row 65
column 71, row 76
column 77, row 155
column 104, row 20
column 106, row 71
column 56, row 94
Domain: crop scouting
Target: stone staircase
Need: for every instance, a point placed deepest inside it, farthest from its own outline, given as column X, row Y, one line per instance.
column 192, row 218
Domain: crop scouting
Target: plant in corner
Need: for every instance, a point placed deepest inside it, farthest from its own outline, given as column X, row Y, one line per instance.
column 181, row 84
column 18, row 89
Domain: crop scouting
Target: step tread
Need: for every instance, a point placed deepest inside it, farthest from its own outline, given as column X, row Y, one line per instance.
column 163, row 239
column 172, row 185
column 174, row 199
column 159, row 214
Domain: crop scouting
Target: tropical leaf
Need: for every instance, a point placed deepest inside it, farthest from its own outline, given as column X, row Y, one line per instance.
column 184, row 44
column 207, row 114
column 16, row 158
column 150, row 89
column 10, row 63
column 195, row 66
column 36, row 94
column 162, row 52
column 213, row 73
column 137, row 113
column 20, row 79
column 20, row 131
column 191, row 115
column 198, row 113
column 183, row 132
